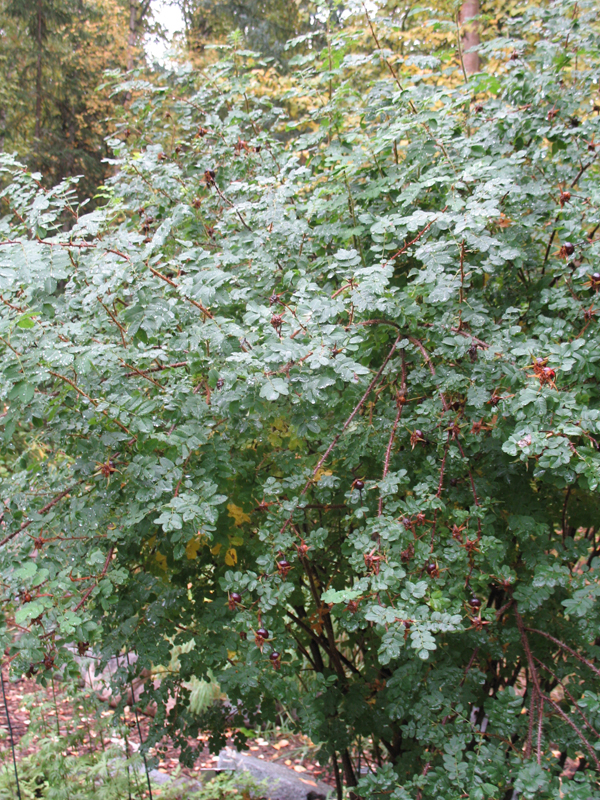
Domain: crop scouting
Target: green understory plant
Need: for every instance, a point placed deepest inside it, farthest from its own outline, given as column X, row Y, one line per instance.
column 322, row 397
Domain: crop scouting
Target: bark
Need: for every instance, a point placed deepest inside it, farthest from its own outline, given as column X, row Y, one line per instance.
column 133, row 23
column 349, row 776
column 38, row 77
column 137, row 13
column 470, row 35
column 2, row 128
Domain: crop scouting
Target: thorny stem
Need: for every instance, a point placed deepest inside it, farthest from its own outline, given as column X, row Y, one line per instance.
column 539, row 730
column 462, row 275
column 571, row 724
column 336, row 438
column 438, row 494
column 567, row 648
column 537, row 692
column 388, row 452
column 569, row 695
column 530, row 726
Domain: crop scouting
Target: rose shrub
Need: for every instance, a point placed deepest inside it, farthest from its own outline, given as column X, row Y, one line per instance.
column 321, row 395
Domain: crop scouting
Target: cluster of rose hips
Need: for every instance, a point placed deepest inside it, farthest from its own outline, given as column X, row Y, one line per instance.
column 416, row 437
column 283, row 567
column 544, row 374
column 47, row 662
column 594, row 281
column 410, row 524
column 261, row 634
column 373, row 562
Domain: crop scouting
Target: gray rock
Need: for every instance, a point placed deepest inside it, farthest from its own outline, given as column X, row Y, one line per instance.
column 282, row 783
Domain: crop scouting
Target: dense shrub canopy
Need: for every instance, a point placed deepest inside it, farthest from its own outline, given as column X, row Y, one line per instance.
column 344, row 390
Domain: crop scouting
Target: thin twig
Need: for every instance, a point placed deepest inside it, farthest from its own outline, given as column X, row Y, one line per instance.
column 462, row 452
column 172, row 283
column 116, row 321
column 137, row 371
column 405, row 247
column 158, row 368
column 582, row 170
column 46, row 508
column 564, row 514
column 232, row 205
column 468, row 335
column 548, row 250
column 389, row 66
column 429, row 363
column 99, row 578
column 460, row 51
column 137, row 722
column 90, row 399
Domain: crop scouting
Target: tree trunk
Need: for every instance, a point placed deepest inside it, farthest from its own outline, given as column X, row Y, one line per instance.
column 349, row 776
column 133, row 22
column 38, row 77
column 470, row 35
column 2, row 128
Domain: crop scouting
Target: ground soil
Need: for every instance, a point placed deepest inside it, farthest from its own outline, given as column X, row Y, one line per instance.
column 296, row 752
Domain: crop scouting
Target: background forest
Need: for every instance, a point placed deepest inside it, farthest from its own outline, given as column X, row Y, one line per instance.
column 300, row 379
column 56, row 106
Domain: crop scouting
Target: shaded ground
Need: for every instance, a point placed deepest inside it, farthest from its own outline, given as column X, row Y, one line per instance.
column 293, row 751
